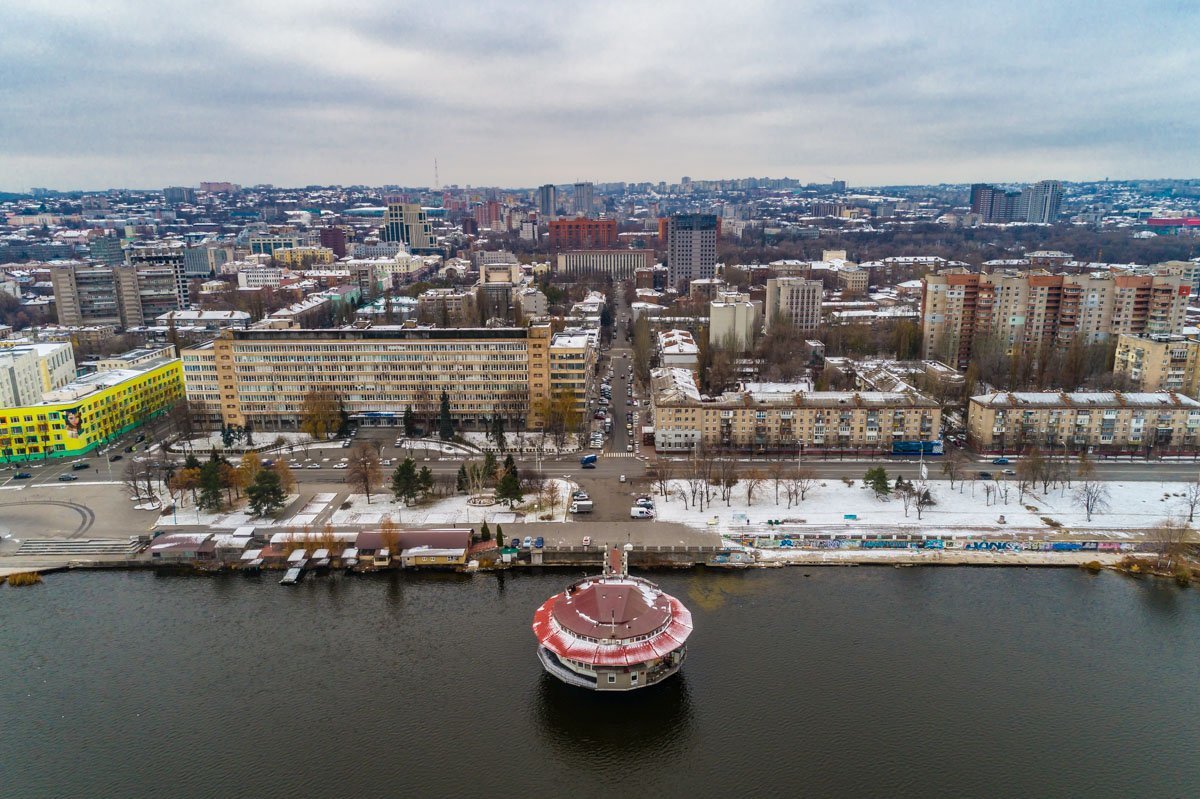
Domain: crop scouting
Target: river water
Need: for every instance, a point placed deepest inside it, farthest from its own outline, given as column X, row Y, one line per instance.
column 826, row 682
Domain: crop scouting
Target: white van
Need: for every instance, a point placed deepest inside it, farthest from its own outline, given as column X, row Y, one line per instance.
column 641, row 513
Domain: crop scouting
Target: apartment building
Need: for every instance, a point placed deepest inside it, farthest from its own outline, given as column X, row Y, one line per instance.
column 303, row 256
column 775, row 418
column 573, row 354
column 262, row 376
column 795, row 298
column 582, row 234
column 1033, row 309
column 86, row 294
column 620, row 264
column 446, row 307
column 1099, row 422
column 733, row 318
column 1159, row 362
column 691, row 247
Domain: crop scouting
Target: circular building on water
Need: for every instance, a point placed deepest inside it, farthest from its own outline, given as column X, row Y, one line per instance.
column 613, row 632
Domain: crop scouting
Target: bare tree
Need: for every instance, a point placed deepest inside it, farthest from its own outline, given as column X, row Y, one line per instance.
column 364, row 473
column 1191, row 499
column 1092, row 496
column 924, row 499
column 806, row 480
column 908, row 496
column 663, row 472
column 751, row 484
column 952, row 467
column 726, row 478
column 1170, row 537
column 777, row 471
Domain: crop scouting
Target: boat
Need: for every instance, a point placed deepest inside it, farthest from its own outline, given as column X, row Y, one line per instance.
column 613, row 632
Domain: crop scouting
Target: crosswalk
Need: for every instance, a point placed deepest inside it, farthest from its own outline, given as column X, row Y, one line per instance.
column 620, row 455
column 77, row 546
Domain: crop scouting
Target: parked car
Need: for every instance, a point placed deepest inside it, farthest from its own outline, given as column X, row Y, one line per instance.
column 528, row 542
column 23, row 476
column 539, row 542
column 645, row 503
column 66, row 478
column 640, row 513
column 1000, row 461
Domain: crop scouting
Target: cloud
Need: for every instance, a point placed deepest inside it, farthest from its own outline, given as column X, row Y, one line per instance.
column 132, row 94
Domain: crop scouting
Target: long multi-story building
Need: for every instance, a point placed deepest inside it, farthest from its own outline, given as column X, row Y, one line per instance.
column 796, row 299
column 691, row 247
column 1100, row 422
column 1039, row 203
column 89, row 412
column 774, row 418
column 572, row 365
column 1030, row 310
column 262, row 376
column 1159, row 363
column 582, row 234
column 620, row 264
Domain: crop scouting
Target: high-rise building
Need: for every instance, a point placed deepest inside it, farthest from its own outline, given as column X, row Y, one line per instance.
column 106, row 250
column 86, row 295
column 167, row 260
column 205, row 260
column 585, row 199
column 1043, row 201
column 733, row 320
column 408, row 223
column 796, row 299
column 335, row 239
column 547, row 202
column 691, row 247
column 1029, row 311
column 178, row 195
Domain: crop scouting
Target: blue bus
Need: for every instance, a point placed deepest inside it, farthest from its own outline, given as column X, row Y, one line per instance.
column 917, row 447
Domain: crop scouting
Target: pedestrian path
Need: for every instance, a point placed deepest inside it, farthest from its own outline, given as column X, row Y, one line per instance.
column 73, row 546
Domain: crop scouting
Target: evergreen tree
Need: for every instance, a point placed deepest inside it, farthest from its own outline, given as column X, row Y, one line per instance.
column 510, row 465
column 425, row 480
column 410, row 423
column 460, row 482
column 489, row 465
column 210, row 486
column 497, row 429
column 404, row 481
column 226, row 436
column 509, row 489
column 500, row 534
column 485, row 533
column 191, row 462
column 876, row 479
column 266, row 494
column 445, row 421
column 249, row 431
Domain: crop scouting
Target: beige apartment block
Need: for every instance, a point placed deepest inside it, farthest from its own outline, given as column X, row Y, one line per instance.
column 774, row 418
column 1098, row 422
column 1159, row 363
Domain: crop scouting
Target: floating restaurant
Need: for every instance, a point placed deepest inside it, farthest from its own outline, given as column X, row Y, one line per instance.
column 614, row 632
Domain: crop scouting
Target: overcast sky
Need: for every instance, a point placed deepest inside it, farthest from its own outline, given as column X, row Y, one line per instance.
column 97, row 93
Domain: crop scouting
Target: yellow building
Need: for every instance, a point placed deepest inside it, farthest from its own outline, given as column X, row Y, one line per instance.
column 1159, row 363
column 303, row 256
column 86, row 414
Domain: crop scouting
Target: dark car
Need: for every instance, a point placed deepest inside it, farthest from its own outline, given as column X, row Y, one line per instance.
column 985, row 475
column 141, row 437
column 1000, row 461
column 23, row 476
column 66, row 478
column 130, row 448
column 115, row 458
column 78, row 466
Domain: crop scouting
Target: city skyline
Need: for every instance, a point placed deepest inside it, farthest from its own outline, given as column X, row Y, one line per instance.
column 302, row 94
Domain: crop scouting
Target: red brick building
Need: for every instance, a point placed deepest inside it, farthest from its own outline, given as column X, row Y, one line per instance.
column 583, row 234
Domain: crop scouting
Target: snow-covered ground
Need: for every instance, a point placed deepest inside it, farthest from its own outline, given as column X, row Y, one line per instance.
column 522, row 442
column 434, row 445
column 448, row 510
column 1130, row 506
column 186, row 514
column 264, row 440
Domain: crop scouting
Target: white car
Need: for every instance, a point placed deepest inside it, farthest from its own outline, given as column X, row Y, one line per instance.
column 313, row 466
column 622, row 479
column 341, row 466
